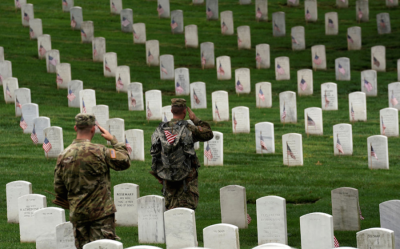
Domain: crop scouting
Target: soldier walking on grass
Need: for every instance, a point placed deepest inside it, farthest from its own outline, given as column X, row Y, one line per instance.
column 175, row 163
column 82, row 181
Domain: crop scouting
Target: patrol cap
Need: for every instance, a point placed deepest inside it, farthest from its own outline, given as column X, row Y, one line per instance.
column 178, row 102
column 83, row 120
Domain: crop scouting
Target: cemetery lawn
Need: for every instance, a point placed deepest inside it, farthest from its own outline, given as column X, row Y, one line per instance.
column 306, row 189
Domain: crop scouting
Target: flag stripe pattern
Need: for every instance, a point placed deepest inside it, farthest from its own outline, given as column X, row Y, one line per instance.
column 46, row 145
column 170, row 137
column 208, row 152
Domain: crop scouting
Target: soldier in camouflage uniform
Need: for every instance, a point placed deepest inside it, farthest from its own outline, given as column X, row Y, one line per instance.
column 82, row 176
column 185, row 194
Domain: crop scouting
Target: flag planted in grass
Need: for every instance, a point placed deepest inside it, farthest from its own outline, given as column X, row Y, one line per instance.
column 34, row 136
column 46, row 145
column 22, row 123
column 208, row 152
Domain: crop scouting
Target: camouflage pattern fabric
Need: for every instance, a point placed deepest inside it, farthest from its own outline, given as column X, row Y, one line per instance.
column 201, row 130
column 82, row 175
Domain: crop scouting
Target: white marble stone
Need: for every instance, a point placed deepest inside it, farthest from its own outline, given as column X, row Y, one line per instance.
column 40, row 124
column 52, row 60
column 191, row 36
column 221, row 236
column 87, row 100
column 110, row 64
column 342, row 69
column 282, row 68
column 293, row 2
column 215, row 150
column 292, row 147
column 55, row 136
column 139, row 33
column 318, row 57
column 153, row 105
column 362, row 11
column 198, row 95
column 27, row 14
column 261, row 10
column 197, row 2
column 271, row 220
column 298, row 38
column 313, row 121
column 305, row 82
column 125, row 199
column 212, row 9
column 244, row 37
column 316, row 231
column 345, row 209
column 144, row 247
column 22, row 96
column 378, row 58
column 224, row 68
column 263, row 95
column 151, row 219
column 392, row 3
column 207, row 56
column 101, row 113
column 376, row 238
column 234, row 205
column 10, row 84
column 369, row 82
column 65, row 236
column 220, row 106
column 311, row 10
column 76, row 17
column 177, row 22
column 394, row 95
column 30, row 111
column 63, row 75
column 35, row 28
column 27, row 205
column 74, row 87
column 240, row 119
column 166, row 113
column 383, row 23
column 87, row 32
column 98, row 49
column 180, row 228
column 115, row 6
column 329, row 96
column 67, row 5
column 126, row 17
column 242, row 80
column 263, row 56
column 331, row 23
column 182, row 81
column 227, row 25
column 342, row 139
column 389, row 212
column 342, row 3
column 135, row 138
column 116, row 126
column 103, row 243
column 273, row 245
column 135, row 96
column 354, row 38
column 46, row 220
column 389, row 122
column 167, row 67
column 122, row 78
column 357, row 106
column 163, row 8
column 378, row 152
column 288, row 107
column 14, row 190
column 278, row 24
column 5, row 70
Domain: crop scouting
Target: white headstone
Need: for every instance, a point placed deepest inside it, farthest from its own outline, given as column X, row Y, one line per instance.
column 151, row 219
column 292, row 147
column 342, row 3
column 345, row 209
column 394, row 94
column 44, row 45
column 242, row 80
column 316, row 231
column 214, row 150
column 182, row 81
column 116, row 126
column 278, row 24
column 19, row 3
column 311, row 10
column 67, row 5
column 180, row 228
column 14, row 190
column 357, row 106
column 354, row 38
column 87, row 100
column 74, row 87
column 282, row 68
column 87, row 32
column 342, row 69
column 220, row 106
column 63, row 75
column 30, row 111
column 389, row 212
column 177, row 21
column 54, row 135
column 76, row 17
column 271, row 220
column 115, row 6
column 65, row 236
column 362, row 11
column 298, row 38
column 153, row 105
column 35, row 28
column 331, row 23
column 110, row 64
column 10, row 84
column 46, row 220
column 52, row 60
column 125, row 199
column 244, row 1
column 191, row 37
column 378, row 152
column 240, row 119
column 126, row 17
column 234, row 205
column 262, row 10
column 376, row 238
column 163, row 8
column 263, row 95
column 222, row 236
column 166, row 113
column 22, row 96
column 262, row 56
column 167, row 67
column 27, row 14
column 342, row 139
column 102, row 115
column 313, row 121
column 369, row 82
column 293, row 2
column 378, row 58
column 227, row 26
column 288, row 107
column 223, row 67
column 305, row 82
column 104, row 243
column 197, row 2
column 383, row 23
column 40, row 124
column 244, row 37
column 122, row 78
column 389, row 122
column 1, row 54
column 273, row 245
column 144, row 246
column 212, row 9
column 318, row 57
column 198, row 95
column 392, row 3
column 5, row 70
column 135, row 138
column 139, row 33
column 27, row 205
column 207, row 56
column 135, row 96
column 329, row 99
column 98, row 49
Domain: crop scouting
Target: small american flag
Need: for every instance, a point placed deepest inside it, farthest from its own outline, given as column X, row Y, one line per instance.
column 248, row 219
column 339, row 146
column 289, row 152
column 128, row 146
column 196, row 99
column 149, row 113
column 373, row 153
column 292, row 1
column 335, row 242
column 276, row 27
column 22, row 123
column 17, row 104
column 367, row 85
column 330, row 23
column 59, row 80
column 73, row 22
column 125, row 21
column 71, row 96
column 326, row 100
column 376, row 62
column 8, row 93
column 383, row 126
column 31, row 33
column 18, row 3
column 359, row 211
column 217, row 111
column 133, row 100
column 165, row 118
column 52, row 61
column 26, row 17
column 163, row 69
column 283, row 116
column 258, row 13
column 234, row 122
column 349, row 39
column 382, row 24
column 310, row 121
column 170, row 137
column 317, row 60
column 208, row 152
column 46, row 145
column 308, row 15
column 149, row 57
column 34, row 136
column 262, row 143
column 209, row 12
column 83, row 34
column 303, row 84
column 294, row 41
column 239, row 86
column 160, row 10
column 113, row 6
column 203, row 59
column 360, row 14
column 120, row 85
column 258, row 58
column 135, row 35
column 239, row 41
column 178, row 88
column 341, row 69
column 42, row 50
column 224, row 28
column 393, row 99
column 94, row 51
column 280, row 70
column 352, row 112
column 106, row 67
column 64, row 3
column 83, row 106
column 221, row 70
column 261, row 94
column 174, row 25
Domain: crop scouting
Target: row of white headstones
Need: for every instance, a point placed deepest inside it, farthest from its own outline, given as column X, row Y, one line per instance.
column 177, row 227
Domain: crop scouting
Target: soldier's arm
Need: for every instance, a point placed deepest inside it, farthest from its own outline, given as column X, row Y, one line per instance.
column 201, row 130
column 59, row 186
column 117, row 157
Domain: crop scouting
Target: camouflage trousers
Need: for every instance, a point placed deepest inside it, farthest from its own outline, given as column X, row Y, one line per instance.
column 184, row 193
column 89, row 231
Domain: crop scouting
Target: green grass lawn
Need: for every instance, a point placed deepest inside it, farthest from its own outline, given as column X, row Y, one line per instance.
column 306, row 189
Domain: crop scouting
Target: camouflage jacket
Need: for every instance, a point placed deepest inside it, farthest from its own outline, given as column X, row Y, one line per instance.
column 201, row 130
column 82, row 175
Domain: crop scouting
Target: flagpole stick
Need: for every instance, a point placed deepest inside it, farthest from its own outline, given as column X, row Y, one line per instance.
column 287, row 154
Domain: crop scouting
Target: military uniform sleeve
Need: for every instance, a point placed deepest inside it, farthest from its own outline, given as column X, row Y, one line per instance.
column 117, row 157
column 201, row 131
column 59, row 186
